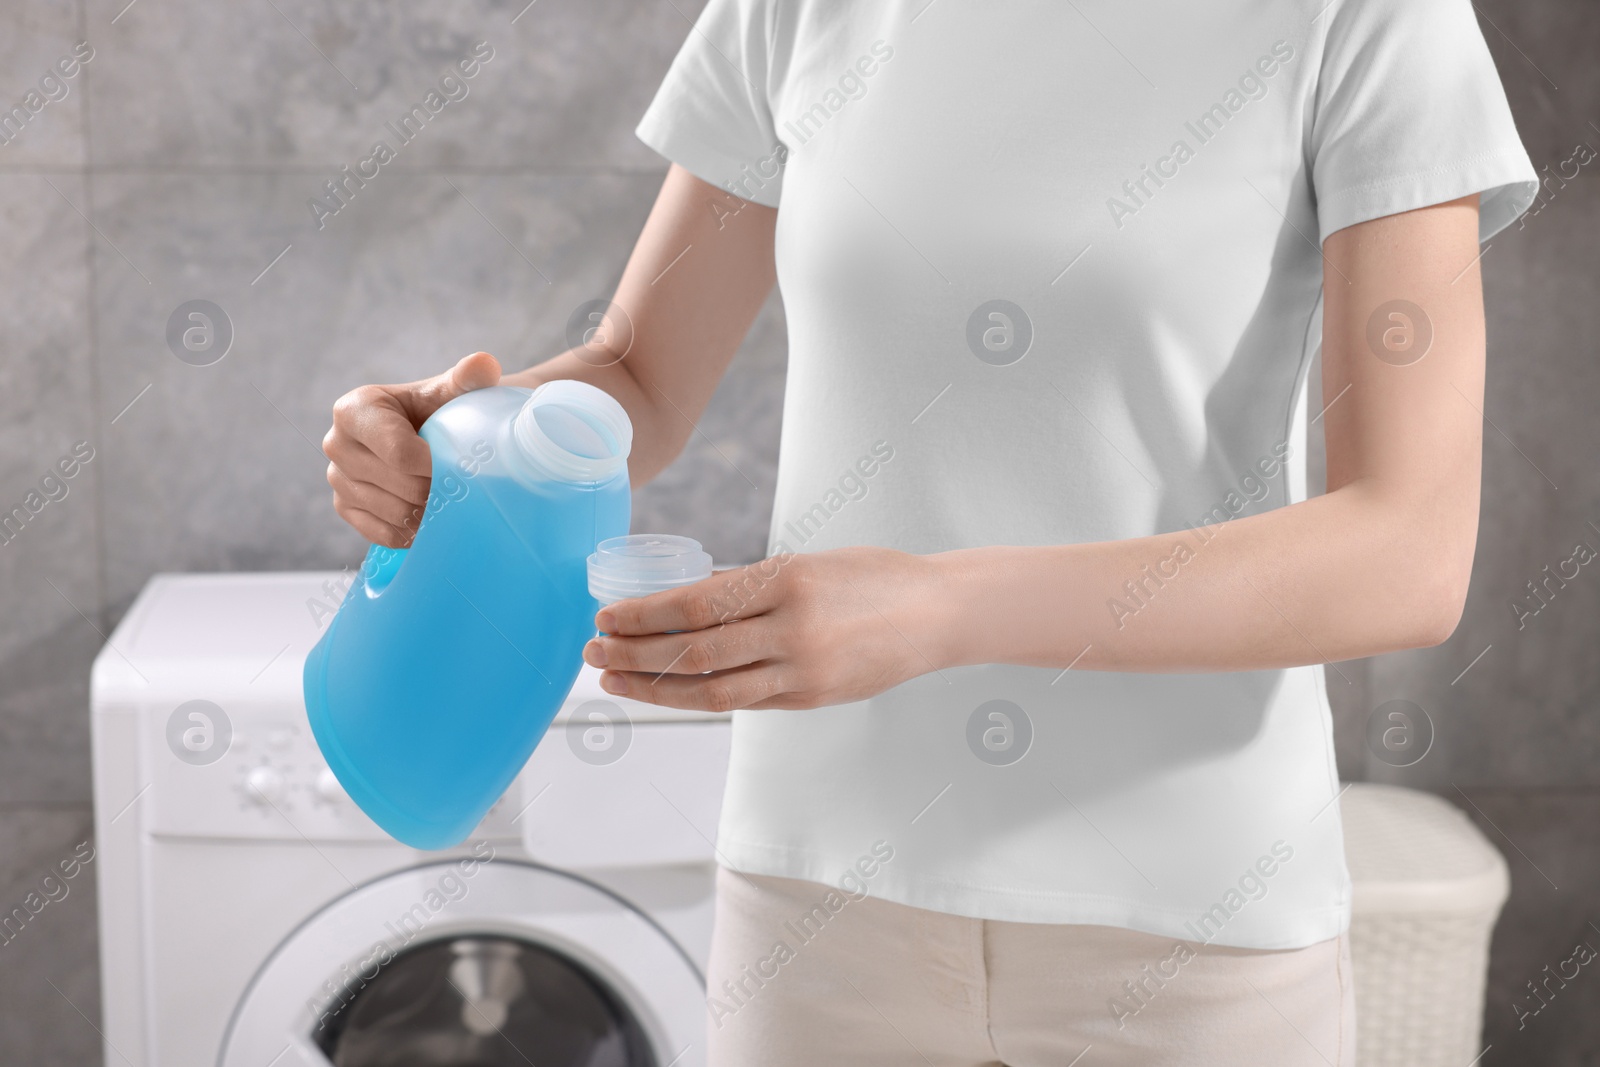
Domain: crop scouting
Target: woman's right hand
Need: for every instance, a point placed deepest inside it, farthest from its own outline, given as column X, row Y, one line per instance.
column 379, row 468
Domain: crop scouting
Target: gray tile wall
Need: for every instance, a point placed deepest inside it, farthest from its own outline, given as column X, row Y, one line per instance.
column 179, row 167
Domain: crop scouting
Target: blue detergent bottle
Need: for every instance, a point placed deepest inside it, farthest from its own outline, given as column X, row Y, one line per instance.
column 447, row 661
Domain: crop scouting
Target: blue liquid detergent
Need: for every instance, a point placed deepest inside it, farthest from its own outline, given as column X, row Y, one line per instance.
column 447, row 661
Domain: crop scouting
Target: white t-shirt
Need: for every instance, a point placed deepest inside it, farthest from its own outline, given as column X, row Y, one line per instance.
column 1052, row 275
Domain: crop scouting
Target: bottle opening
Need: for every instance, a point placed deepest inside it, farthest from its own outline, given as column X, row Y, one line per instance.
column 641, row 564
column 574, row 432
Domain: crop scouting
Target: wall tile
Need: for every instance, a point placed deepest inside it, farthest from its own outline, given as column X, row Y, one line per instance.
column 186, row 82
column 1549, row 843
column 48, row 560
column 34, row 37
column 49, row 980
column 1545, row 55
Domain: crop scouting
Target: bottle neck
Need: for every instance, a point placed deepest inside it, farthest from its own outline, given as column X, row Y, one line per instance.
column 570, row 431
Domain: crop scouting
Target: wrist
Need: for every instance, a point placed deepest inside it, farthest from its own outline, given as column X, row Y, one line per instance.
column 938, row 624
column 1006, row 604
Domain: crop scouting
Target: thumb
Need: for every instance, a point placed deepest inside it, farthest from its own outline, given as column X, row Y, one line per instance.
column 477, row 371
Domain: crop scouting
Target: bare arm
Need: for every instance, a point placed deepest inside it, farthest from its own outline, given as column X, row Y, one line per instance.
column 696, row 280
column 1379, row 563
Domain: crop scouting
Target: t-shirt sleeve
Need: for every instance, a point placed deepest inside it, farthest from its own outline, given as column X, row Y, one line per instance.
column 711, row 115
column 1410, row 112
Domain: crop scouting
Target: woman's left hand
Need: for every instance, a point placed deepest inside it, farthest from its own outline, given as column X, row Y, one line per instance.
column 793, row 631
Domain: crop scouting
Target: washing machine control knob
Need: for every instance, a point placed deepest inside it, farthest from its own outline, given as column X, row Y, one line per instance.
column 328, row 787
column 264, row 785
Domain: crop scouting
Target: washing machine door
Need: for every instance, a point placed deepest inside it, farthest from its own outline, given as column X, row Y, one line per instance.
column 501, row 963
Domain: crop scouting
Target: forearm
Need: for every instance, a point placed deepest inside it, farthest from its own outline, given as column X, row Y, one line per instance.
column 1336, row 577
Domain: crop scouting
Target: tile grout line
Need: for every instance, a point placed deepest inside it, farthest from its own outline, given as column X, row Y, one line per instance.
column 92, row 332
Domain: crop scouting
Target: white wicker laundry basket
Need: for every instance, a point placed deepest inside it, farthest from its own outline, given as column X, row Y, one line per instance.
column 1428, row 887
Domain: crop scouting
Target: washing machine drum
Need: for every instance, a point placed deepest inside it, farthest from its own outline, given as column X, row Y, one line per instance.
column 525, row 965
column 485, row 1002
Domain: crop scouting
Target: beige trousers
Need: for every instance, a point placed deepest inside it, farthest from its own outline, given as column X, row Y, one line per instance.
column 878, row 983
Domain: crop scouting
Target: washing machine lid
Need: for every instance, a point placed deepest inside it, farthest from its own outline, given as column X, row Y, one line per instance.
column 323, row 966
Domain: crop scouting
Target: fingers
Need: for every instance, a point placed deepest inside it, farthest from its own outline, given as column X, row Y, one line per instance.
column 380, row 469
column 372, row 420
column 371, row 527
column 735, row 594
column 743, row 687
column 361, row 464
column 718, row 648
column 373, row 444
column 376, row 501
column 397, row 447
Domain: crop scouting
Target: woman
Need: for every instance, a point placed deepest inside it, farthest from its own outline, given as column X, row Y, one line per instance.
column 1035, row 756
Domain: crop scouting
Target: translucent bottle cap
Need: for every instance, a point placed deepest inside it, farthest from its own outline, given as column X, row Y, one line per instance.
column 641, row 564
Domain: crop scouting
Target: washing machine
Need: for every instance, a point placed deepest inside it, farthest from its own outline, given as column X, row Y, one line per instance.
column 252, row 916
